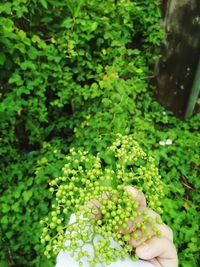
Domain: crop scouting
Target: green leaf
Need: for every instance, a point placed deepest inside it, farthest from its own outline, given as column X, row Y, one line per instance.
column 136, row 51
column 22, row 34
column 9, row 234
column 17, row 192
column 33, row 126
column 2, row 58
column 29, row 181
column 56, row 3
column 32, row 53
column 139, row 71
column 4, row 264
column 93, row 26
column 106, row 102
column 7, row 24
column 5, row 208
column 27, row 195
column 28, row 65
column 44, row 3
column 4, row 220
column 108, row 157
column 16, row 207
column 67, row 23
column 5, row 7
column 39, row 41
column 16, row 78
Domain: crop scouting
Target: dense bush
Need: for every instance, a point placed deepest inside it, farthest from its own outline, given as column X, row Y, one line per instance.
column 75, row 73
column 25, row 197
column 53, row 51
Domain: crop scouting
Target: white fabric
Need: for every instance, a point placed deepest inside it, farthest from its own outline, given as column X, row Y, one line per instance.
column 65, row 260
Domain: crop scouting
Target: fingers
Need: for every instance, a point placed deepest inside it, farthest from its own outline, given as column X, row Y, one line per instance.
column 166, row 231
column 140, row 199
column 131, row 228
column 155, row 262
column 135, row 242
column 161, row 249
column 153, row 214
column 95, row 205
column 138, row 196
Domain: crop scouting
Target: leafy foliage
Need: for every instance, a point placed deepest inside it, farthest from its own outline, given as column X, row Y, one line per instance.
column 25, row 198
column 75, row 73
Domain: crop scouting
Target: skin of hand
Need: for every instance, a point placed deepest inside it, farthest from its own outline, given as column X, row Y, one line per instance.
column 161, row 252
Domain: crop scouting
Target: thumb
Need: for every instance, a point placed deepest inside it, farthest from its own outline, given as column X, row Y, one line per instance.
column 138, row 196
column 160, row 248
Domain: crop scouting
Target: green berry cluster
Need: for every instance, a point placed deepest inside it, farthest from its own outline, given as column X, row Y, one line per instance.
column 96, row 193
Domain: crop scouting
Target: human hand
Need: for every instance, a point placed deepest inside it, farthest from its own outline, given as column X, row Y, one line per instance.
column 161, row 251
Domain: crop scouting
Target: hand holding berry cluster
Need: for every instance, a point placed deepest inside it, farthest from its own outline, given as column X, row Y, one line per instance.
column 116, row 213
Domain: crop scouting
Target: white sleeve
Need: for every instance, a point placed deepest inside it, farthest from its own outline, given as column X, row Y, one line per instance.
column 65, row 260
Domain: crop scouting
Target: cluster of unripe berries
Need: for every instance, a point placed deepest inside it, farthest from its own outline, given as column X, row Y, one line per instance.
column 96, row 193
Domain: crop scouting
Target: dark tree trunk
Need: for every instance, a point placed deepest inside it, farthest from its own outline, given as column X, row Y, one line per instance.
column 180, row 52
